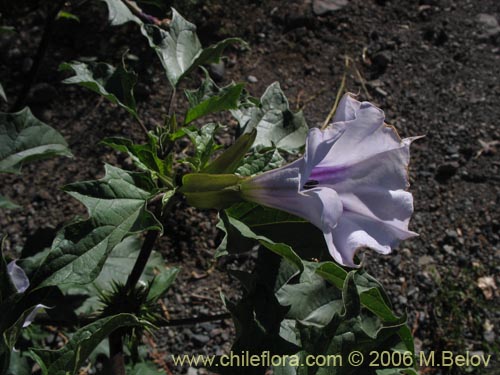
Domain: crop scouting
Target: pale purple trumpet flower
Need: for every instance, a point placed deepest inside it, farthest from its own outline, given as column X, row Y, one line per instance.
column 351, row 183
column 21, row 283
column 18, row 277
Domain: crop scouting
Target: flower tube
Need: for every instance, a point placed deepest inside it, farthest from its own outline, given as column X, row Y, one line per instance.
column 351, row 183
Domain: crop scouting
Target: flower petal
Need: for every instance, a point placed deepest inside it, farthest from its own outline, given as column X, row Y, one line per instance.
column 318, row 145
column 346, row 110
column 31, row 316
column 355, row 231
column 18, row 277
column 365, row 136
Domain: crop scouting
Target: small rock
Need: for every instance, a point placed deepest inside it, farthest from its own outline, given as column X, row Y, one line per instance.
column 200, row 339
column 425, row 260
column 217, row 71
column 321, row 7
column 252, row 79
column 487, row 21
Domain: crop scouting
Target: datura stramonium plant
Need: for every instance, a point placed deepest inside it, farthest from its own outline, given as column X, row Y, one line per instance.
column 351, row 183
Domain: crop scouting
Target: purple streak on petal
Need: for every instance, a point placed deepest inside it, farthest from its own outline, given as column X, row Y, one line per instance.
column 318, row 145
column 18, row 277
column 326, row 174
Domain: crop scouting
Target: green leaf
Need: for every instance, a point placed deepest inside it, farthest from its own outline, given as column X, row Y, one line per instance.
column 69, row 359
column 144, row 156
column 210, row 98
column 119, row 13
column 117, row 208
column 371, row 292
column 7, row 204
column 238, row 234
column 116, row 270
column 161, row 283
column 260, row 161
column 278, row 226
column 115, row 84
column 204, row 144
column 277, row 126
column 2, row 93
column 180, row 50
column 24, row 138
column 68, row 16
column 18, row 364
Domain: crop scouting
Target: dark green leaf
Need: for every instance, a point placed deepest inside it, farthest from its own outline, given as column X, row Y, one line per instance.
column 212, row 99
column 260, row 161
column 119, row 13
column 180, row 50
column 204, row 144
column 69, row 359
column 161, row 283
column 24, row 138
column 115, row 84
column 350, row 297
column 144, row 156
column 116, row 270
column 239, row 236
column 277, row 126
column 7, row 204
column 18, row 364
column 117, row 208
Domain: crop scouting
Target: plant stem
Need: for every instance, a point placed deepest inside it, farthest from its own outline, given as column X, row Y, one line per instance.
column 117, row 358
column 142, row 259
column 40, row 54
column 339, row 95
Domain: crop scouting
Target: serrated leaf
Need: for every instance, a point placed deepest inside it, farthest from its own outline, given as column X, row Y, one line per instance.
column 7, row 204
column 144, row 156
column 24, row 138
column 180, row 50
column 204, row 144
column 117, row 208
column 260, row 161
column 210, row 99
column 119, row 13
column 277, row 126
column 69, row 359
column 116, row 269
column 115, row 84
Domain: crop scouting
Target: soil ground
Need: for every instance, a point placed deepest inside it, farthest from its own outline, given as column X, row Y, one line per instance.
column 433, row 66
